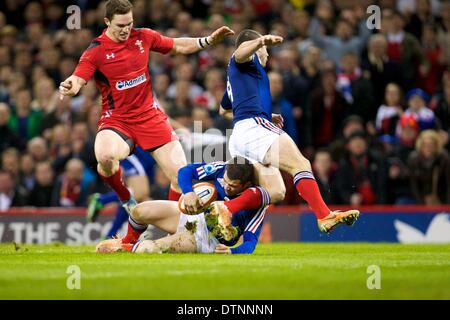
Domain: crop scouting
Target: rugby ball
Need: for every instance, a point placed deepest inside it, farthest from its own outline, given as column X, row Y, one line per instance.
column 205, row 191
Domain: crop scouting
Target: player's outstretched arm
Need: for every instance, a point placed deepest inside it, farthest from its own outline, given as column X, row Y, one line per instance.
column 71, row 86
column 246, row 50
column 192, row 45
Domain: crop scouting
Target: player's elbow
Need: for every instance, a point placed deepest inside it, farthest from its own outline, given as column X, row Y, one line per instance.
column 222, row 111
column 240, row 58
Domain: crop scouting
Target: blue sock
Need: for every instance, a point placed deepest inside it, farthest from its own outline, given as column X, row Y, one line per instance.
column 120, row 218
column 108, row 197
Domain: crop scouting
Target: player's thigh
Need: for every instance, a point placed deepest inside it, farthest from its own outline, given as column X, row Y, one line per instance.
column 110, row 146
column 285, row 155
column 140, row 186
column 160, row 213
column 182, row 242
column 170, row 158
column 270, row 178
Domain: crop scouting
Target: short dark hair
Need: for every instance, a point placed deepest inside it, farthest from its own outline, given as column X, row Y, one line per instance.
column 246, row 35
column 117, row 7
column 240, row 169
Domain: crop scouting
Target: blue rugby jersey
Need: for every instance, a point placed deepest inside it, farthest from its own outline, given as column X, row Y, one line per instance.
column 248, row 90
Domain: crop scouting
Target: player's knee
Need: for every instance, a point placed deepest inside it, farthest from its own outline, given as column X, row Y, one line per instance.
column 278, row 194
column 137, row 213
column 106, row 161
column 301, row 164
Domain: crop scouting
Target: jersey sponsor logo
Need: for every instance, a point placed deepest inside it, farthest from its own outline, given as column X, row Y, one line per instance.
column 209, row 168
column 110, row 56
column 126, row 84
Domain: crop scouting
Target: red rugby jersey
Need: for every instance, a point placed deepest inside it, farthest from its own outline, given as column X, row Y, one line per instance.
column 121, row 72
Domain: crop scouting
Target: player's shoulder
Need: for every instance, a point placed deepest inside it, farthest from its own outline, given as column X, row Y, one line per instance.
column 148, row 32
column 95, row 45
column 211, row 168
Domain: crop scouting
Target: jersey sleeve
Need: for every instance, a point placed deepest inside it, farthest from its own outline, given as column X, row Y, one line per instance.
column 158, row 42
column 88, row 61
column 226, row 103
column 248, row 245
column 250, row 67
column 198, row 171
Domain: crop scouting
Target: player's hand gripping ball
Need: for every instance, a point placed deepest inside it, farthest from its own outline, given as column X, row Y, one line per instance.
column 205, row 191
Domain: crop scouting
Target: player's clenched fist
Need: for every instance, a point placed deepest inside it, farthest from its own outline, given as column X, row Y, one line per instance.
column 70, row 86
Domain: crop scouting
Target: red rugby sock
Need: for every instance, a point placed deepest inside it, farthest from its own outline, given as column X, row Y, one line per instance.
column 116, row 183
column 309, row 190
column 134, row 231
column 252, row 198
column 173, row 195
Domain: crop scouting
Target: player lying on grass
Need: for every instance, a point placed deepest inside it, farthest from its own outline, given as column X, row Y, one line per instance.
column 257, row 133
column 216, row 230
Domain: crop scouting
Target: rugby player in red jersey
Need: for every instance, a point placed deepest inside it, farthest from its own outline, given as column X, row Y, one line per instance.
column 119, row 62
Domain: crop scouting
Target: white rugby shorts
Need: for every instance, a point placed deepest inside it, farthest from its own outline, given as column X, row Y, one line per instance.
column 206, row 242
column 252, row 138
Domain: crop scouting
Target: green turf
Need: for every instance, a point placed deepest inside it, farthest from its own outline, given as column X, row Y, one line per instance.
column 274, row 271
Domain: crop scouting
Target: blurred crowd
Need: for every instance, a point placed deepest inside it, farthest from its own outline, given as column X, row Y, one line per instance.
column 369, row 108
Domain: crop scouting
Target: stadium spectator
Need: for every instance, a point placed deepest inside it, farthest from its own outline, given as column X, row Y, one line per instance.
column 41, row 194
column 355, row 88
column 184, row 73
column 38, row 149
column 361, row 177
column 343, row 41
column 420, row 18
column 403, row 48
column 61, row 115
column 26, row 175
column 295, row 88
column 351, row 124
column 417, row 106
column 281, row 105
column 407, row 132
column 379, row 69
column 324, row 170
column 10, row 162
column 310, row 67
column 10, row 196
column 24, row 121
column 389, row 113
column 44, row 93
column 434, row 53
column 7, row 137
column 72, row 187
column 442, row 113
column 430, row 170
column 328, row 110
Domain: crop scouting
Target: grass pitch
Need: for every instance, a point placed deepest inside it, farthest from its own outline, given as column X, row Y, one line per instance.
column 274, row 271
